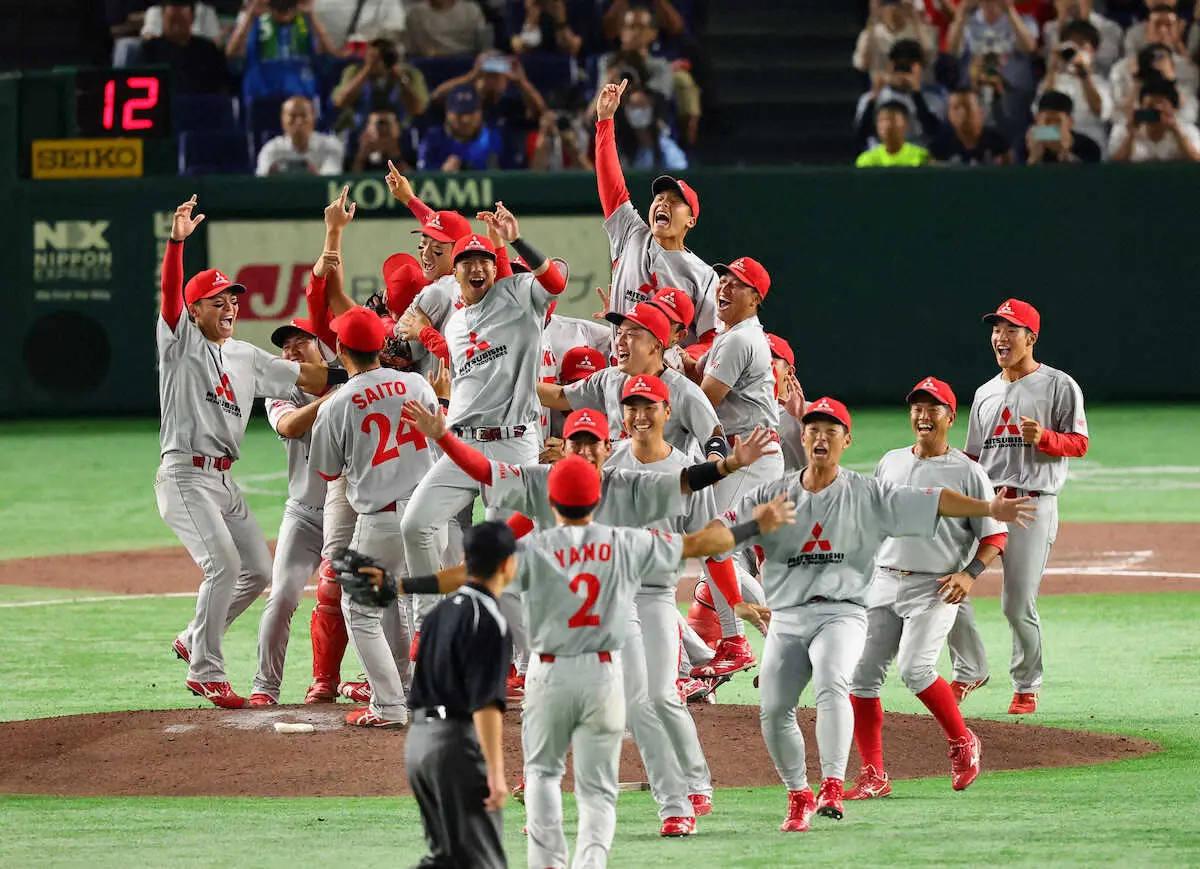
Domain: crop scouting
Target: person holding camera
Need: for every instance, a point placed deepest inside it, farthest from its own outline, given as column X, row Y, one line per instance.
column 1006, row 39
column 1152, row 132
column 558, row 143
column 1109, row 34
column 1070, row 71
column 643, row 138
column 379, row 143
column 464, row 141
column 1135, row 35
column 300, row 150
column 382, row 82
column 892, row 122
column 966, row 140
column 551, row 26
column 890, row 22
column 508, row 97
column 446, row 28
column 1051, row 138
column 278, row 40
column 902, row 83
column 1165, row 57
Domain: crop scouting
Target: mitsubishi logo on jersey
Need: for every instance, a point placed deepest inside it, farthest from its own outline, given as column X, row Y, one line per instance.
column 817, row 542
column 479, row 352
column 818, row 550
column 222, row 396
column 1006, row 434
column 225, row 390
column 643, row 292
column 477, row 346
column 1006, row 426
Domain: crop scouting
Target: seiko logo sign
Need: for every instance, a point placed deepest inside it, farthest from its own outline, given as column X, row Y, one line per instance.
column 87, row 158
column 71, row 250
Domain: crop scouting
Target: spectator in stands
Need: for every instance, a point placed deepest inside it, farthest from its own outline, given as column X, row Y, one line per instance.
column 1163, row 56
column 558, row 143
column 551, row 26
column 643, row 138
column 379, row 141
column 205, row 22
column 464, row 141
column 197, row 65
column 382, row 82
column 1070, row 71
column 892, row 122
column 379, row 19
column 300, row 150
column 667, row 16
column 889, row 22
column 1158, row 136
column 903, row 82
column 446, row 28
column 1135, row 36
column 1050, row 139
column 1109, row 35
column 279, row 43
column 966, row 139
column 508, row 97
column 1004, row 39
column 125, row 20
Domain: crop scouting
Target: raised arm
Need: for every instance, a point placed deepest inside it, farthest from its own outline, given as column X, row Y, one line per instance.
column 183, row 225
column 402, row 191
column 1015, row 510
column 609, row 178
column 337, row 218
column 299, row 422
column 433, row 425
column 504, row 223
column 705, row 474
column 553, row 396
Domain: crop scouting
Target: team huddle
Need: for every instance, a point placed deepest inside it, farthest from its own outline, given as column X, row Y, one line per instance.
column 673, row 429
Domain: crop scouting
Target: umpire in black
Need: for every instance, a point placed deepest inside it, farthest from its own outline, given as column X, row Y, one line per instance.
column 453, row 753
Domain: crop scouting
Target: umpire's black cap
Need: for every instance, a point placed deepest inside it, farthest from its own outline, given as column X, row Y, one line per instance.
column 486, row 546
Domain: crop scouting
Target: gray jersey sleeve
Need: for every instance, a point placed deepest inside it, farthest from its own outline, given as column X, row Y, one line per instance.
column 643, row 497
column 653, row 556
column 743, row 511
column 1067, row 413
column 692, row 407
column 700, row 508
column 904, row 511
column 514, row 488
column 706, row 305
column 730, row 356
column 327, row 455
column 974, row 444
column 274, row 377
column 592, row 391
column 979, row 486
column 623, row 226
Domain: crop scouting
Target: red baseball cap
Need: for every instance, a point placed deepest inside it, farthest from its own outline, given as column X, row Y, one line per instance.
column 938, row 390
column 676, row 304
column 574, row 482
column 587, row 421
column 579, row 363
column 828, row 408
column 445, row 226
column 1018, row 313
column 649, row 317
column 279, row 336
column 782, row 349
column 474, row 243
column 666, row 182
column 207, row 284
column 360, row 329
column 748, row 271
column 403, row 279
column 645, row 386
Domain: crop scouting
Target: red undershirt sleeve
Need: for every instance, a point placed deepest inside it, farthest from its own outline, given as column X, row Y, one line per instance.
column 609, row 178
column 1063, row 444
column 725, row 578
column 997, row 540
column 473, row 463
column 172, row 284
column 419, row 209
column 433, row 341
column 318, row 311
column 503, row 263
column 520, row 524
column 552, row 279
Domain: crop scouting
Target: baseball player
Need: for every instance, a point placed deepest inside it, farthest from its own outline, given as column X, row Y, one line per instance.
column 816, row 574
column 207, row 382
column 576, row 364
column 298, row 549
column 791, row 404
column 359, row 433
column 580, row 579
column 916, row 591
column 649, row 253
column 1025, row 424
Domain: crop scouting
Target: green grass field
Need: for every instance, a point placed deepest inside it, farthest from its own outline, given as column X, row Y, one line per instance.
column 1115, row 663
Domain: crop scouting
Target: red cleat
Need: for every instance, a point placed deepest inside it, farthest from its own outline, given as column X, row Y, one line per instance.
column 218, row 693
column 871, row 783
column 960, row 690
column 412, row 647
column 359, row 692
column 677, row 827
column 829, row 799
column 801, row 805
column 518, row 793
column 701, row 804
column 181, row 651
column 263, row 700
column 321, row 691
column 1023, row 704
column 733, row 656
column 966, row 756
column 692, row 690
column 516, row 687
column 367, row 718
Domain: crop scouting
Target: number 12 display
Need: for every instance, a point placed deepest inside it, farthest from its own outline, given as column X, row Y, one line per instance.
column 126, row 103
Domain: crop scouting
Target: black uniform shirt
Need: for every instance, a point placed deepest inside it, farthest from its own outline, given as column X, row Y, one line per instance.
column 464, row 655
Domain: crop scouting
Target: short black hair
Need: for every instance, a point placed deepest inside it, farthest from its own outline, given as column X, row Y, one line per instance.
column 361, row 358
column 906, row 50
column 1163, row 7
column 1080, row 31
column 894, row 106
column 962, row 90
column 574, row 512
column 1056, row 101
column 486, row 546
column 1160, row 87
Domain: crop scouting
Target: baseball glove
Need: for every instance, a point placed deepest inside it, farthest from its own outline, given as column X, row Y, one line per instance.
column 364, row 579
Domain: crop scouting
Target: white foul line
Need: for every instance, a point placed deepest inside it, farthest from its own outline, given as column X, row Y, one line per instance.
column 107, row 598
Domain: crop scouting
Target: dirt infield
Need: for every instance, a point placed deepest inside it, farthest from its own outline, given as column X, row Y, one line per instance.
column 208, row 752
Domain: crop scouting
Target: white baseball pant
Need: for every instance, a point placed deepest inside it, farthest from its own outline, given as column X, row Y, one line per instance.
column 297, row 556
column 338, row 519
column 576, row 702
column 208, row 513
column 821, row 642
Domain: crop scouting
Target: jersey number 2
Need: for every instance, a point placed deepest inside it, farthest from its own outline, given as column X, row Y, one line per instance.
column 584, row 618
column 405, row 434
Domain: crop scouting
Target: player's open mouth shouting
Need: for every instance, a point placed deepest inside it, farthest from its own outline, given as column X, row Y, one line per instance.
column 662, row 215
column 724, row 297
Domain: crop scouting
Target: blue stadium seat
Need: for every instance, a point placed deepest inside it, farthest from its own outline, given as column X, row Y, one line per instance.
column 215, row 153
column 439, row 69
column 549, row 72
column 210, row 112
column 264, row 122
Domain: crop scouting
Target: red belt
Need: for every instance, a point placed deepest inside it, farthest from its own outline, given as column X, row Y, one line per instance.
column 772, row 436
column 1012, row 492
column 605, row 657
column 222, row 464
column 389, row 508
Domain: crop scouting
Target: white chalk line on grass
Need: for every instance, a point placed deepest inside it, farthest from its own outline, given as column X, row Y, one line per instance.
column 109, row 598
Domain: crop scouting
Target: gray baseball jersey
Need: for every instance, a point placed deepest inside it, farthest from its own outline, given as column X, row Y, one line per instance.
column 740, row 358
column 994, row 430
column 829, row 552
column 641, row 267
column 692, row 417
column 496, row 354
column 437, row 301
column 955, row 540
column 206, row 390
column 305, row 485
column 563, row 333
column 359, row 433
column 581, row 580
column 791, row 441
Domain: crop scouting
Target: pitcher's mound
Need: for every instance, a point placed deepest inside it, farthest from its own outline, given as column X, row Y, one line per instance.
column 210, row 752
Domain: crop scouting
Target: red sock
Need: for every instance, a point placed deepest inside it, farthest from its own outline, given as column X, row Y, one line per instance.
column 868, row 730
column 939, row 699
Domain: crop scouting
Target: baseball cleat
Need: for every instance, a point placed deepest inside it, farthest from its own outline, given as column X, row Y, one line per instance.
column 692, row 690
column 218, row 693
column 966, row 756
column 516, row 687
column 801, row 805
column 518, row 793
column 701, row 804
column 263, row 700
column 829, row 799
column 321, row 691
column 359, row 692
column 677, row 827
column 960, row 690
column 733, row 656
column 871, row 783
column 413, row 646
column 1023, row 704
column 181, row 651
column 367, row 718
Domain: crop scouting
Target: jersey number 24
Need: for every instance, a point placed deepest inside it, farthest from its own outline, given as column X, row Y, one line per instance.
column 384, row 450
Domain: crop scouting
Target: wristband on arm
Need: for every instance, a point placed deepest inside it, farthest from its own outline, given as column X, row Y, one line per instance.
column 716, row 445
column 336, row 376
column 532, row 256
column 742, row 533
column 975, row 568
column 702, row 476
column 427, row 584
